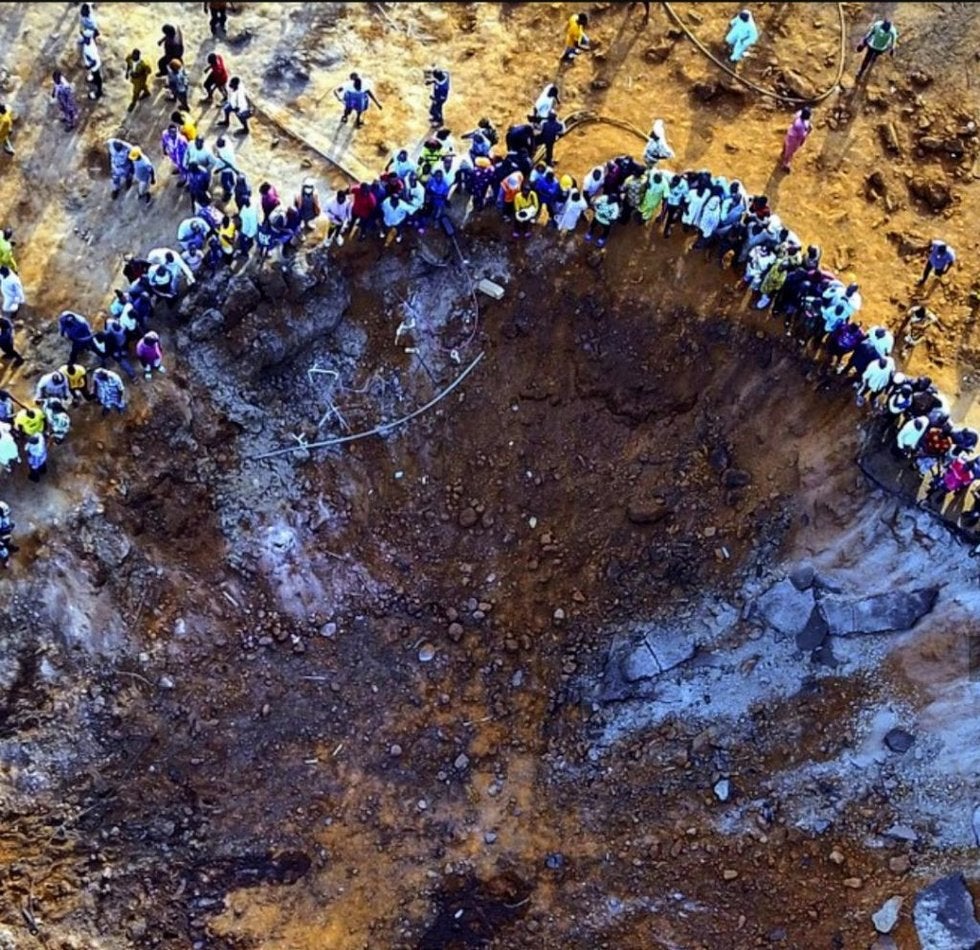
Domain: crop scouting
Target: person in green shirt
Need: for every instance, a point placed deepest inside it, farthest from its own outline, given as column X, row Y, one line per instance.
column 881, row 38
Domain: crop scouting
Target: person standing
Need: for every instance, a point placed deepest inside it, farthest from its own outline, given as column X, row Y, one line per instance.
column 881, row 38
column 269, row 199
column 576, row 39
column 175, row 146
column 657, row 148
column 800, row 128
column 941, row 259
column 11, row 290
column 6, row 127
column 150, row 354
column 552, row 129
column 606, row 212
column 172, row 42
column 742, row 35
column 93, row 63
column 120, row 165
column 109, row 390
column 237, row 103
column 64, row 95
column 216, row 77
column 307, row 203
column 178, row 83
column 36, row 452
column 356, row 95
column 138, row 72
column 218, row 12
column 7, row 547
column 144, row 173
column 248, row 226
column 338, row 211
column 438, row 79
column 7, row 347
column 527, row 208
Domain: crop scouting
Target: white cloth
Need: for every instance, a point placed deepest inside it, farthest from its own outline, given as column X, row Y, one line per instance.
column 237, row 98
column 876, row 377
column 12, row 291
column 910, row 435
column 9, row 453
column 545, row 103
column 90, row 52
column 657, row 147
column 569, row 214
column 883, row 344
column 695, row 202
column 760, row 260
column 337, row 213
column 710, row 216
column 741, row 35
column 593, row 184
column 177, row 267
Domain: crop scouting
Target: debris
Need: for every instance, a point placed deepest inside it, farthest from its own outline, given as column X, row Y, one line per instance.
column 902, row 833
column 854, row 883
column 898, row 740
column 165, row 682
column 886, row 916
column 786, row 608
column 944, row 915
column 933, row 191
column 722, row 789
column 427, row 653
column 394, row 750
column 462, row 762
column 802, row 577
column 489, row 288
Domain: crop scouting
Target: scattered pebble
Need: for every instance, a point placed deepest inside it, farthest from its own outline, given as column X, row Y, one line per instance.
column 462, row 761
column 394, row 750
column 427, row 652
column 165, row 682
column 490, row 836
column 723, row 789
column 729, row 874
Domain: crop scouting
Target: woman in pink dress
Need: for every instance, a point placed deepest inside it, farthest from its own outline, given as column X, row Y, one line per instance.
column 796, row 135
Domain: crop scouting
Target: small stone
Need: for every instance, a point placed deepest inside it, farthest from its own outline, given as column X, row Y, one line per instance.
column 554, row 861
column 729, row 874
column 899, row 740
column 902, row 833
column 489, row 836
column 328, row 630
column 854, row 883
column 468, row 517
column 722, row 789
column 559, row 615
column 265, row 710
column 165, row 682
column 900, row 864
column 427, row 652
column 455, row 632
column 422, row 804
column 462, row 761
column 394, row 750
column 886, row 916
column 802, row 577
column 736, row 478
column 710, row 532
column 837, row 857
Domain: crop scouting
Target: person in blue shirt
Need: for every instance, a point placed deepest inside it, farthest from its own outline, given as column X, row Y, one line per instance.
column 941, row 259
column 438, row 79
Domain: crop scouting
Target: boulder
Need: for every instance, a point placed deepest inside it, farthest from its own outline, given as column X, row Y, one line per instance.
column 802, row 577
column 207, row 325
column 786, row 609
column 944, row 915
column 899, row 740
column 880, row 613
column 933, row 191
column 647, row 511
column 640, row 664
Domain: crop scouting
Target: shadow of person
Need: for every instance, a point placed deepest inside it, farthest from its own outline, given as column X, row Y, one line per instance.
column 775, row 181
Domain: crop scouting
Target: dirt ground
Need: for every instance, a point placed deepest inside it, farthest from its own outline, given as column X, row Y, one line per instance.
column 360, row 697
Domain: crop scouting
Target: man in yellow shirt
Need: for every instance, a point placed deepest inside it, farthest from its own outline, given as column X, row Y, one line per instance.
column 575, row 38
column 6, row 124
column 76, row 376
column 29, row 422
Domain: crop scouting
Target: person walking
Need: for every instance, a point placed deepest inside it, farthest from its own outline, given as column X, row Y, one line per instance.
column 144, row 173
column 439, row 80
column 7, row 347
column 216, row 77
column 138, row 72
column 11, row 292
column 941, row 259
column 217, row 11
column 742, row 35
column 120, row 164
column 356, row 95
column 6, row 127
column 172, row 42
column 64, row 95
column 178, row 83
column 237, row 103
column 881, row 38
column 797, row 133
column 93, row 63
column 576, row 39
column 657, row 149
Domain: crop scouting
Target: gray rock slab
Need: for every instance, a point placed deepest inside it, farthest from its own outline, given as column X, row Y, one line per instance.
column 881, row 613
column 944, row 915
column 814, row 633
column 670, row 648
column 886, row 916
column 784, row 608
column 640, row 664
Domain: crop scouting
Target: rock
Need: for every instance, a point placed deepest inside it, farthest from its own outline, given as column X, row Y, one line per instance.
column 165, row 682
column 729, row 874
column 647, row 512
column 427, row 653
column 886, row 916
column 976, row 824
column 902, row 833
column 640, row 664
column 889, row 137
column 490, row 836
column 554, row 861
column 875, row 186
column 468, row 517
column 898, row 740
column 718, row 458
column 659, row 53
column 207, row 325
column 786, row 608
column 705, row 90
column 455, row 632
column 722, row 789
column 394, row 750
column 813, row 633
column 801, row 577
column 328, row 630
column 670, row 648
column 881, row 613
column 944, row 915
column 736, row 478
column 854, row 883
column 883, row 942
column 837, row 857
column 933, row 191
column 900, row 864
column 462, row 761
column 795, row 84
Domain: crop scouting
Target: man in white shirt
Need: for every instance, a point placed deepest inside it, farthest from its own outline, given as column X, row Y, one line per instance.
column 237, row 103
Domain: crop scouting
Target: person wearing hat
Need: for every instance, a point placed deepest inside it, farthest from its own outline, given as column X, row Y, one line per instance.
column 120, row 164
column 307, row 203
column 138, row 72
column 150, row 354
column 881, row 38
column 356, row 95
column 143, row 172
column 742, row 35
column 941, row 259
column 93, row 63
column 237, row 103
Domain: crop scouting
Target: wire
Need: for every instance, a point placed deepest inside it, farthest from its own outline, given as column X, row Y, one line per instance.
column 381, row 428
column 761, row 89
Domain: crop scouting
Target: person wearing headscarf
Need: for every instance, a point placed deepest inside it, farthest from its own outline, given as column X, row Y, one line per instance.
column 742, row 34
column 657, row 148
column 797, row 133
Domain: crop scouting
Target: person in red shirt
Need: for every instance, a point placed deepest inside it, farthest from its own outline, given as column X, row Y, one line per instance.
column 270, row 199
column 216, row 77
column 364, row 208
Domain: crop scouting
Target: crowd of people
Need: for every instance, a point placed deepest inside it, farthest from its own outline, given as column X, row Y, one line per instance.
column 443, row 181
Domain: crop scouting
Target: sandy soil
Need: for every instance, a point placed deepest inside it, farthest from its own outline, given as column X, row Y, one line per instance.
column 215, row 729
